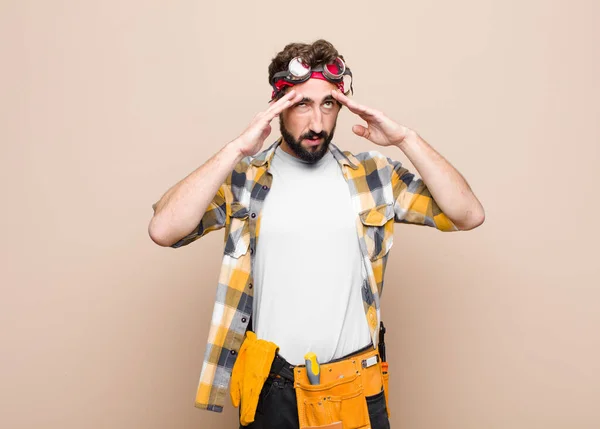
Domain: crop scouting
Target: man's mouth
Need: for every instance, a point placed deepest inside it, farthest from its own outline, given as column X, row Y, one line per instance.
column 313, row 141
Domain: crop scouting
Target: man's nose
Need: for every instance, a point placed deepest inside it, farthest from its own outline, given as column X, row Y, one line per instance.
column 316, row 121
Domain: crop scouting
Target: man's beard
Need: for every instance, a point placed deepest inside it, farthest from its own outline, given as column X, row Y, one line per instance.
column 302, row 153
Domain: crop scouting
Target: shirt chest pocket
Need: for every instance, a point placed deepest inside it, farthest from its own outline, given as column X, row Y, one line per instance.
column 238, row 238
column 378, row 230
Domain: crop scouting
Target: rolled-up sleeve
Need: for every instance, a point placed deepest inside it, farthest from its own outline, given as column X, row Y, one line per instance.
column 413, row 202
column 213, row 219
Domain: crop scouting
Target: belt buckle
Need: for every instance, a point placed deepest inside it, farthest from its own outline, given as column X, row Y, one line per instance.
column 366, row 363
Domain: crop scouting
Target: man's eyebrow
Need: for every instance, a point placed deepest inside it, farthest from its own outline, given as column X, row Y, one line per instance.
column 305, row 100
column 309, row 100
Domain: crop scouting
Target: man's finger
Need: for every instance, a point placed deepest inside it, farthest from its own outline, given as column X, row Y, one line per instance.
column 361, row 131
column 353, row 106
column 280, row 107
column 364, row 112
column 282, row 101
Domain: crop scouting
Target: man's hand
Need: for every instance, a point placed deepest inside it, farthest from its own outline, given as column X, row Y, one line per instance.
column 251, row 140
column 380, row 129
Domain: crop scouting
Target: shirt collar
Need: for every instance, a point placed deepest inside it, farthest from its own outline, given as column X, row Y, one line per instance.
column 266, row 156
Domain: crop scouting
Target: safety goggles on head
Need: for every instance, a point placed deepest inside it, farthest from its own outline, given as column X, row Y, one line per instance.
column 299, row 71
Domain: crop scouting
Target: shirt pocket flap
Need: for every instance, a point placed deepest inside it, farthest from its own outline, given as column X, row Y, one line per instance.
column 378, row 230
column 377, row 216
column 238, row 240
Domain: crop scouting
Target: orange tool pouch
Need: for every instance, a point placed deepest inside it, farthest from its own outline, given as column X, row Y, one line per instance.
column 340, row 400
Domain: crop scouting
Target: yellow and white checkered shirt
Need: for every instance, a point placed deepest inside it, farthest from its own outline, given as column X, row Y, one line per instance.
column 383, row 193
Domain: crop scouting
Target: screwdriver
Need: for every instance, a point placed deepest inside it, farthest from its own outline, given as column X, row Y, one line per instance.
column 313, row 370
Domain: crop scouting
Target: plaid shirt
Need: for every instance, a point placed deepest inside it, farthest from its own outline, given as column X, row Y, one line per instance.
column 383, row 193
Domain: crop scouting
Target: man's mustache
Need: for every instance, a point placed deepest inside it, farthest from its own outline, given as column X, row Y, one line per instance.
column 313, row 135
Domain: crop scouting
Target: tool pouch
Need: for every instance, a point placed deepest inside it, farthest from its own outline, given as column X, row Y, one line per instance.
column 340, row 400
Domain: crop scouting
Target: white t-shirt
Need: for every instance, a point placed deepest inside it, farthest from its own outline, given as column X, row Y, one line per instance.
column 308, row 269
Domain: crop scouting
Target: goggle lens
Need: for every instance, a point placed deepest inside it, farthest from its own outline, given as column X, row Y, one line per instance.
column 298, row 68
column 336, row 68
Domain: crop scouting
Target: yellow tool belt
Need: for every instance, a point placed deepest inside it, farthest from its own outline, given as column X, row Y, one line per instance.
column 339, row 401
column 340, row 398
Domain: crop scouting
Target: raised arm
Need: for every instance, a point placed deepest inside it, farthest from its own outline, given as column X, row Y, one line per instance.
column 181, row 210
column 445, row 190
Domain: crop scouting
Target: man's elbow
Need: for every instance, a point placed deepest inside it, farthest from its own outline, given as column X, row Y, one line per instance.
column 471, row 221
column 158, row 235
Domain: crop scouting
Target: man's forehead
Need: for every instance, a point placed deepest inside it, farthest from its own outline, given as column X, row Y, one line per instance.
column 315, row 89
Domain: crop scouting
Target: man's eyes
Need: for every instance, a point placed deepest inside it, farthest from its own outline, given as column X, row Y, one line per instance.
column 328, row 104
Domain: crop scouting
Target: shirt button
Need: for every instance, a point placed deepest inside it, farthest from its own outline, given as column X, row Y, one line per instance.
column 243, row 320
column 253, row 215
column 250, row 285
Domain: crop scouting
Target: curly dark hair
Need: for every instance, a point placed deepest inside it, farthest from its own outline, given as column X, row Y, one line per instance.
column 314, row 54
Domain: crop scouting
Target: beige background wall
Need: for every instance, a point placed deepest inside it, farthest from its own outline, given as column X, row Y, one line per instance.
column 104, row 105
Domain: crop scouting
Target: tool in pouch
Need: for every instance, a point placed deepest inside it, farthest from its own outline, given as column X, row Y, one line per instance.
column 313, row 370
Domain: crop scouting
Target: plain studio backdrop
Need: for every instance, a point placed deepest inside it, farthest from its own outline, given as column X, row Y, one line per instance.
column 105, row 105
